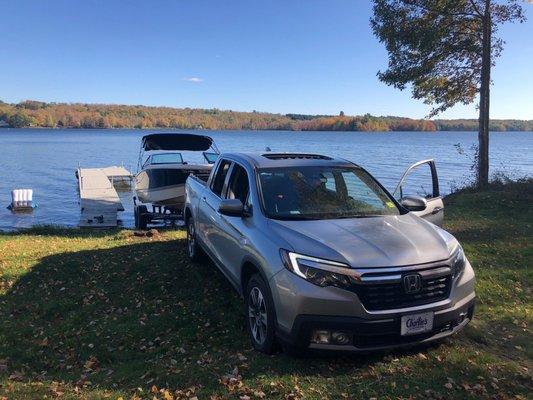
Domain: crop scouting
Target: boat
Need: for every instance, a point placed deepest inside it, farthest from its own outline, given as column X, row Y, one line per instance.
column 162, row 172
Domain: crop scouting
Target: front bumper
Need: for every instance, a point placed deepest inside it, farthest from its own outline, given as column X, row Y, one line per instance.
column 302, row 307
column 369, row 335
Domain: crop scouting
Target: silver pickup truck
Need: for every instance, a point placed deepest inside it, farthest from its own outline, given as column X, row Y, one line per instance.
column 325, row 257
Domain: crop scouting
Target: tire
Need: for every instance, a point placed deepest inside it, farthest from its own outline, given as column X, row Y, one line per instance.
column 260, row 315
column 141, row 217
column 136, row 217
column 194, row 251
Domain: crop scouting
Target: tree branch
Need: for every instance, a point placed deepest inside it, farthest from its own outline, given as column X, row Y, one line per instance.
column 476, row 9
column 442, row 12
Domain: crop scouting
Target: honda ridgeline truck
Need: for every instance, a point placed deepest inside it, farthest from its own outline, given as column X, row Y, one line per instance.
column 325, row 257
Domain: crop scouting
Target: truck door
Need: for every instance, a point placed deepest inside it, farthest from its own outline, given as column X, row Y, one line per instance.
column 235, row 228
column 421, row 179
column 208, row 216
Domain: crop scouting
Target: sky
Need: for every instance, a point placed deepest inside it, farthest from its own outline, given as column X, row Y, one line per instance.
column 282, row 56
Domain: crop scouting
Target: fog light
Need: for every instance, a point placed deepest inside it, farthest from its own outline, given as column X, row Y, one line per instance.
column 340, row 338
column 462, row 317
column 321, row 337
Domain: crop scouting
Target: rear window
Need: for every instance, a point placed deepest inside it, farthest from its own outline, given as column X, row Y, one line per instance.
column 238, row 186
column 220, row 177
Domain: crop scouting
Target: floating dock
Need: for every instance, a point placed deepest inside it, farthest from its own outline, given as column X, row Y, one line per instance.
column 117, row 175
column 99, row 200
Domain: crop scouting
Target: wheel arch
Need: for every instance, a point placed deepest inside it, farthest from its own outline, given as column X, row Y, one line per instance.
column 250, row 267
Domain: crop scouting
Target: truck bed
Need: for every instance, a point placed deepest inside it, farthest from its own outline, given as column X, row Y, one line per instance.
column 200, row 178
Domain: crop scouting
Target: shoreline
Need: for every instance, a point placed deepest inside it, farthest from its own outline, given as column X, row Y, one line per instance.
column 38, row 128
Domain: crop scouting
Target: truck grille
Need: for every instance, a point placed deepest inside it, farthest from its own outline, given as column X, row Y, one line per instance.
column 386, row 296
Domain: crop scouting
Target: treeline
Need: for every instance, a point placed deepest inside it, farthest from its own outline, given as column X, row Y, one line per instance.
column 32, row 113
column 366, row 123
column 496, row 125
column 51, row 115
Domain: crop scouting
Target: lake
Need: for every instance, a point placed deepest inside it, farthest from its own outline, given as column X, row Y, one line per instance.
column 45, row 160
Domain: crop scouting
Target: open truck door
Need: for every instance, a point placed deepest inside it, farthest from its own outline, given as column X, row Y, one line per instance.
column 420, row 180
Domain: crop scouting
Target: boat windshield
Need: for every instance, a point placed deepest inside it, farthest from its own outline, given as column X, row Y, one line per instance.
column 323, row 192
column 166, row 158
column 211, row 158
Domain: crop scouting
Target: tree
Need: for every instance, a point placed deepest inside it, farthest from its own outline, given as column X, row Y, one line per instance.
column 445, row 50
column 19, row 120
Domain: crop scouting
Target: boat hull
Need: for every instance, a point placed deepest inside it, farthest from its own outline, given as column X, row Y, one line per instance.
column 170, row 196
column 165, row 186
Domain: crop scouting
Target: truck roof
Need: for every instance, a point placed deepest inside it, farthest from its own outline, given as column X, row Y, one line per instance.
column 277, row 160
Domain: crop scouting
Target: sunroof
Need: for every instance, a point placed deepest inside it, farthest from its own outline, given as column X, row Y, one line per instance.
column 295, row 156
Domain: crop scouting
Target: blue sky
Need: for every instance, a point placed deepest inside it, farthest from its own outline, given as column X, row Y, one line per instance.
column 314, row 56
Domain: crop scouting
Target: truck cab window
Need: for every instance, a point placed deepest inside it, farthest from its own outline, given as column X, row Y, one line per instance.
column 238, row 186
column 220, row 177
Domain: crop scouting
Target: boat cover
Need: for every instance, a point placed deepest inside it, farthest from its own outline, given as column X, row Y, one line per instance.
column 176, row 141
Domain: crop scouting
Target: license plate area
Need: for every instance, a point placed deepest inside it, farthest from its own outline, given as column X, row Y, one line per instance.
column 413, row 324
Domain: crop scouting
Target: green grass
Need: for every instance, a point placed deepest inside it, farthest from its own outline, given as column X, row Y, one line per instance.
column 107, row 315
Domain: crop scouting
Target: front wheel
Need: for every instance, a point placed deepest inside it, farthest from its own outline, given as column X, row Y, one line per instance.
column 260, row 321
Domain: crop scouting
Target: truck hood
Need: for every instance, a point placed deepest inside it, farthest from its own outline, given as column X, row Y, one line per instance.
column 371, row 242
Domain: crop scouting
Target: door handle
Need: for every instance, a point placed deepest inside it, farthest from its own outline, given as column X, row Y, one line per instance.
column 436, row 210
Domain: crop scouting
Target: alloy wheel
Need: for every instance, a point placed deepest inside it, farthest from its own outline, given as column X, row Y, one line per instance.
column 191, row 240
column 257, row 314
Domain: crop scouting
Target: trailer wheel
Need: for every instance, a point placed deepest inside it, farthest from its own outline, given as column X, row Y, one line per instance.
column 141, row 217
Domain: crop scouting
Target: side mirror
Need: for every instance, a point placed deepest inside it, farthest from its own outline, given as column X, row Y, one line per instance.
column 414, row 203
column 231, row 207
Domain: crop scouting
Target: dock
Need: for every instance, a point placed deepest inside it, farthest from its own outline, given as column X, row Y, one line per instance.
column 99, row 200
column 117, row 175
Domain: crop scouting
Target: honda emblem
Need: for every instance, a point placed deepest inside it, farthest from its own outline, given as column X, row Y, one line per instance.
column 412, row 283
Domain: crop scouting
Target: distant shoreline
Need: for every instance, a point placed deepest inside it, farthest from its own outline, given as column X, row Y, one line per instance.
column 37, row 114
column 42, row 128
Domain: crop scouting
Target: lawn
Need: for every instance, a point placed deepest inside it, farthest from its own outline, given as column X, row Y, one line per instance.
column 95, row 315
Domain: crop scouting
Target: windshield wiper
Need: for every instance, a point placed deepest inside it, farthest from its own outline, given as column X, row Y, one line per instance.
column 295, row 217
column 322, row 217
column 345, row 216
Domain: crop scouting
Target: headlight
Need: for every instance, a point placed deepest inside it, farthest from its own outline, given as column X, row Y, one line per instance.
column 317, row 271
column 458, row 261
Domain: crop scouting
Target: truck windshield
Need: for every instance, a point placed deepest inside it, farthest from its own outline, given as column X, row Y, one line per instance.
column 316, row 192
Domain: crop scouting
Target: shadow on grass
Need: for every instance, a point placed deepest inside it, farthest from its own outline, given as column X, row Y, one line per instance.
column 140, row 314
column 130, row 313
column 80, row 233
column 135, row 315
column 61, row 231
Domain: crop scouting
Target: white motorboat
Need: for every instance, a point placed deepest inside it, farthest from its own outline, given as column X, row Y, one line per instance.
column 163, row 171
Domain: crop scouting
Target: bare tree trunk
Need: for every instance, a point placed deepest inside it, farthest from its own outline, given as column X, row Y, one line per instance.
column 484, row 101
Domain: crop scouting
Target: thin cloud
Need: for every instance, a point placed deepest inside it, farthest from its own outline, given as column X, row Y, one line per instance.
column 193, row 79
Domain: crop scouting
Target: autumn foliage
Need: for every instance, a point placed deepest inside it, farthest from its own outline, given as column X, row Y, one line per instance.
column 32, row 113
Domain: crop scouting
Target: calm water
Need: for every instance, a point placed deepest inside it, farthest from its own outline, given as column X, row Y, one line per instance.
column 45, row 160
